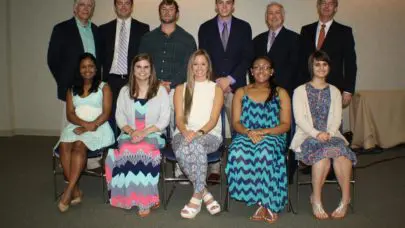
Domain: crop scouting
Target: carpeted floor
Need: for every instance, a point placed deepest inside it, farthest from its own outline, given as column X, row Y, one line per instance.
column 26, row 192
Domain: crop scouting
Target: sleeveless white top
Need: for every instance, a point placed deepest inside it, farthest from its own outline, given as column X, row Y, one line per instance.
column 201, row 108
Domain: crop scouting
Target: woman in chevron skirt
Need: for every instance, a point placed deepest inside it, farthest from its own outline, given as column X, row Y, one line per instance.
column 256, row 168
column 132, row 170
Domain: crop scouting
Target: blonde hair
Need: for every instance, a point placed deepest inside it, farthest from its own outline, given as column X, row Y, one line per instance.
column 189, row 88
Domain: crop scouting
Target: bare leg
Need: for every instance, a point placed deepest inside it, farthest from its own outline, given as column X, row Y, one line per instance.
column 343, row 170
column 319, row 172
column 65, row 151
column 78, row 160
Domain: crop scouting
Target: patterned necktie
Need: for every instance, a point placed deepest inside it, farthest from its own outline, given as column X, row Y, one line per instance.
column 321, row 37
column 272, row 38
column 122, row 50
column 225, row 35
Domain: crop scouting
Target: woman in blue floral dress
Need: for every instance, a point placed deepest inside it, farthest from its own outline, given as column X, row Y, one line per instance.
column 317, row 140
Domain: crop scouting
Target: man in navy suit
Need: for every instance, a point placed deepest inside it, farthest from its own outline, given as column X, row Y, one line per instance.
column 281, row 45
column 69, row 40
column 228, row 41
column 338, row 42
column 120, row 39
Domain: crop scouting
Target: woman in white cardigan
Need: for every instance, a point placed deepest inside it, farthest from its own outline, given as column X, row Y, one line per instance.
column 318, row 116
column 132, row 170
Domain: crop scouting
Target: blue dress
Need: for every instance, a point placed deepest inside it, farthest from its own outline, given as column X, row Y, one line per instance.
column 257, row 172
column 313, row 150
column 88, row 109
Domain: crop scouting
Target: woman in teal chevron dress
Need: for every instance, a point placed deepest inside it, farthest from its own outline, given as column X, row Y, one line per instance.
column 256, row 168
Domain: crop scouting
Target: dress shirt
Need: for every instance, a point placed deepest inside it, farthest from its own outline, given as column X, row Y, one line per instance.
column 114, row 67
column 86, row 35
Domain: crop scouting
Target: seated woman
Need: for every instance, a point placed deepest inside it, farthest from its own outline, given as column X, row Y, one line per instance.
column 198, row 104
column 318, row 115
column 142, row 114
column 88, row 107
column 256, row 168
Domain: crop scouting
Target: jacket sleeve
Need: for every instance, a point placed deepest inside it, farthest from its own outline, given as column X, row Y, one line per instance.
column 54, row 50
column 120, row 115
column 300, row 112
column 164, row 115
column 350, row 65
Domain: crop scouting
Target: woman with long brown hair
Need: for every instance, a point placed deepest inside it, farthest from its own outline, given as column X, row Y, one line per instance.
column 132, row 170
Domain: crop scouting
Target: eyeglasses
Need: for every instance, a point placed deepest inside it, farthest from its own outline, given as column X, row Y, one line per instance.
column 266, row 68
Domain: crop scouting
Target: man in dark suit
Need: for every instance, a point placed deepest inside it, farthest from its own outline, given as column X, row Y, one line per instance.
column 338, row 42
column 281, row 46
column 228, row 41
column 120, row 39
column 69, row 40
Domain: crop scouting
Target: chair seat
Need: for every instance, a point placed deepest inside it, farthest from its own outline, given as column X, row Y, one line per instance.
column 90, row 153
column 168, row 153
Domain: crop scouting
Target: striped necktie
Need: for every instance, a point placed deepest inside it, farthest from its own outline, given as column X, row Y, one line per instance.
column 122, row 60
column 321, row 37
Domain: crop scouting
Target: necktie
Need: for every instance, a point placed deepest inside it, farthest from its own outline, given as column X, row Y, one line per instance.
column 122, row 50
column 225, row 35
column 321, row 37
column 270, row 43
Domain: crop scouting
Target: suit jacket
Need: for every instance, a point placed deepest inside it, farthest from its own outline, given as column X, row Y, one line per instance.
column 237, row 58
column 65, row 48
column 339, row 45
column 107, row 35
column 285, row 56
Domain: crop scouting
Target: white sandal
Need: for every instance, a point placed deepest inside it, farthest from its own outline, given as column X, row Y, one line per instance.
column 191, row 212
column 213, row 208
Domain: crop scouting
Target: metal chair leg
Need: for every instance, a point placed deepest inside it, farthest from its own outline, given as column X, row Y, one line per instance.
column 164, row 184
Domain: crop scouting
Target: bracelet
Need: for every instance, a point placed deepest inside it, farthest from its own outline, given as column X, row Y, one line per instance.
column 248, row 130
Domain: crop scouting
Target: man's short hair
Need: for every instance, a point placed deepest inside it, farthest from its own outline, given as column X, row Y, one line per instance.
column 216, row 1
column 276, row 4
column 169, row 3
column 115, row 2
column 319, row 2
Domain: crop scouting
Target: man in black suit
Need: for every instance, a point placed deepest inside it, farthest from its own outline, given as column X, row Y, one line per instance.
column 69, row 40
column 120, row 39
column 338, row 42
column 228, row 41
column 281, row 45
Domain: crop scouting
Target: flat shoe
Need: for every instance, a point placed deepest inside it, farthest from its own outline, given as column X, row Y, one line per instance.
column 77, row 199
column 62, row 207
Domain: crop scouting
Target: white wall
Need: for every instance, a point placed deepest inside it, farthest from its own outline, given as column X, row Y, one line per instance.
column 5, row 95
column 377, row 28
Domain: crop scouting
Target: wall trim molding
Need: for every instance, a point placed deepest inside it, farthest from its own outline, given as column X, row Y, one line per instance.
column 6, row 133
column 37, row 132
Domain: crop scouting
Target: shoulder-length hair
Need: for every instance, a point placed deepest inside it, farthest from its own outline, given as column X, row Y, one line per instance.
column 188, row 94
column 317, row 56
column 153, row 81
column 78, row 81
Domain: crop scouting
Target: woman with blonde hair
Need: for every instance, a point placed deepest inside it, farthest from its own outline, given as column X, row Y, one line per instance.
column 198, row 104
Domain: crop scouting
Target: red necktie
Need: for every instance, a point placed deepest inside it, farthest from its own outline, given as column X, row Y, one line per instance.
column 321, row 37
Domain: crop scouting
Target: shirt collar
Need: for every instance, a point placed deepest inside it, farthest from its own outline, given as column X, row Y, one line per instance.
column 221, row 21
column 79, row 23
column 277, row 31
column 327, row 24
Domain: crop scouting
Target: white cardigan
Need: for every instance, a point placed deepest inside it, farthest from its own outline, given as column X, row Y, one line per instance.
column 158, row 110
column 303, row 118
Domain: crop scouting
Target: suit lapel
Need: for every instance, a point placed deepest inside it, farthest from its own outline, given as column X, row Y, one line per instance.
column 329, row 36
column 312, row 33
column 76, row 35
column 216, row 31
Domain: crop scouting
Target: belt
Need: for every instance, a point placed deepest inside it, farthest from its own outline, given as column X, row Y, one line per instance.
column 122, row 76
